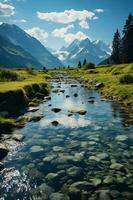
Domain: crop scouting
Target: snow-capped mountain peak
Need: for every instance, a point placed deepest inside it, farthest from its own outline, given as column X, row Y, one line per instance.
column 92, row 51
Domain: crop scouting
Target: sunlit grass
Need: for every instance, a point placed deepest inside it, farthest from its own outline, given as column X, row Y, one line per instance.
column 25, row 78
column 110, row 76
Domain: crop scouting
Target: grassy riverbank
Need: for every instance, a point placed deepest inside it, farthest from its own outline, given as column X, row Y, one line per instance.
column 20, row 88
column 110, row 76
column 19, row 78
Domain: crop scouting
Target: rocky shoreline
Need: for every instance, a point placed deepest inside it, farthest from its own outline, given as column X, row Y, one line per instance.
column 16, row 108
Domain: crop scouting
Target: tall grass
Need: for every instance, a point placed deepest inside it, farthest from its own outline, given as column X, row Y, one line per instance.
column 9, row 75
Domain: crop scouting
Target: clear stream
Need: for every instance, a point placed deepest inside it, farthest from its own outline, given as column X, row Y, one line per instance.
column 87, row 157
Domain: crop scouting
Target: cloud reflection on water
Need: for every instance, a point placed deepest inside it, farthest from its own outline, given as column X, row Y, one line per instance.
column 67, row 122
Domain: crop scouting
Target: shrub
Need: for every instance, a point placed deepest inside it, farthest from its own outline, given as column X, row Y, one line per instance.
column 30, row 71
column 8, row 75
column 89, row 66
column 126, row 79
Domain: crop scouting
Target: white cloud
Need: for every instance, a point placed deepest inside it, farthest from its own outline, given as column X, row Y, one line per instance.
column 38, row 33
column 66, row 17
column 62, row 31
column 95, row 17
column 68, row 37
column 6, row 10
column 84, row 24
column 20, row 21
column 99, row 10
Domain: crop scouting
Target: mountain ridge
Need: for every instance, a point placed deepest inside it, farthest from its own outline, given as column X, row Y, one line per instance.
column 19, row 37
column 93, row 51
column 15, row 56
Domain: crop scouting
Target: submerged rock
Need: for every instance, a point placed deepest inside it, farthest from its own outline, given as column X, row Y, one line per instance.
column 94, row 158
column 57, row 148
column 42, row 192
column 121, row 138
column 59, row 196
column 69, row 115
column 74, row 172
column 52, row 177
column 55, row 90
column 102, row 156
column 96, row 181
column 91, row 101
column 48, row 159
column 36, row 149
column 104, row 195
column 55, row 123
column 62, row 90
column 81, row 185
column 56, row 110
column 3, row 150
column 108, row 180
column 116, row 166
column 75, row 95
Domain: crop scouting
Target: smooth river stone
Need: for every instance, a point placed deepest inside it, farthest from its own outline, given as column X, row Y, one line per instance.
column 102, row 156
column 94, row 158
column 121, row 138
column 36, row 149
column 59, row 196
column 74, row 172
column 116, row 166
column 57, row 148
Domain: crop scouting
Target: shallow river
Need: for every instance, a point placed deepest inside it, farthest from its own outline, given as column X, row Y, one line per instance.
column 87, row 157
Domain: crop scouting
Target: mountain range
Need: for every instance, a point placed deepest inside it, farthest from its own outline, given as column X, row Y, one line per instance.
column 93, row 51
column 20, row 49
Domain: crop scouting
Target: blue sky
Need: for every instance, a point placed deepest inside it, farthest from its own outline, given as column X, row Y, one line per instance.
column 58, row 22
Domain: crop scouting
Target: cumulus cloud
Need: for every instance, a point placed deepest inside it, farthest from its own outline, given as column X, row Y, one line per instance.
column 84, row 24
column 66, row 17
column 68, row 37
column 6, row 10
column 99, row 10
column 38, row 33
column 62, row 31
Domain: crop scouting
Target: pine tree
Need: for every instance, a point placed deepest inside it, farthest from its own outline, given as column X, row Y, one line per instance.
column 127, row 40
column 79, row 64
column 85, row 62
column 116, row 47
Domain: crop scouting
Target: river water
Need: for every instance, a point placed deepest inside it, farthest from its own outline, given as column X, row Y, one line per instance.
column 84, row 157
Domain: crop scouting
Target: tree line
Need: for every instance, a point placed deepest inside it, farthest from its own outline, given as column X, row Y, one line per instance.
column 122, row 46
